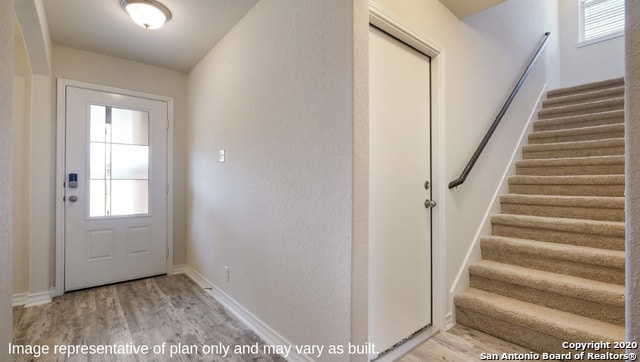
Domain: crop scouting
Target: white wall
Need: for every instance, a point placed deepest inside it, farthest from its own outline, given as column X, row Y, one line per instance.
column 6, row 203
column 21, row 133
column 632, row 132
column 590, row 63
column 481, row 60
column 276, row 94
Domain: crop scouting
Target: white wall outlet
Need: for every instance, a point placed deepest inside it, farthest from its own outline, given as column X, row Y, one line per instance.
column 221, row 155
column 226, row 273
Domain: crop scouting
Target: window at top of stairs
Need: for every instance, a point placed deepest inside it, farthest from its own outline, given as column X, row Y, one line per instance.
column 600, row 20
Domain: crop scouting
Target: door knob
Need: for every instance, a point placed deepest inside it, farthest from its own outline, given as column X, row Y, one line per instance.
column 73, row 198
column 429, row 204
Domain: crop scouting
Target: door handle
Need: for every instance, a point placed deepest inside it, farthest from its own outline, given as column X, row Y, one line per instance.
column 73, row 198
column 429, row 204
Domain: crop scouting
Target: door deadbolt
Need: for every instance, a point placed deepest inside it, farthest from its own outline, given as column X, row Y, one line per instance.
column 426, row 185
column 429, row 204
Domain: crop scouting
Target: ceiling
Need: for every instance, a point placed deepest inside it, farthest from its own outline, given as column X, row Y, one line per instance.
column 465, row 8
column 102, row 26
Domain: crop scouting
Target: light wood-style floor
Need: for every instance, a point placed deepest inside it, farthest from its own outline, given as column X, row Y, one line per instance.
column 167, row 309
column 175, row 310
column 461, row 344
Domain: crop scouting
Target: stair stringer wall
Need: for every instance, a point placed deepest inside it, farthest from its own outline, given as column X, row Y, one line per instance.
column 473, row 252
column 632, row 154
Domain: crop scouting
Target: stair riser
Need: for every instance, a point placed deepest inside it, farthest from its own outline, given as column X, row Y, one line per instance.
column 605, row 312
column 515, row 333
column 589, row 213
column 580, row 152
column 555, row 265
column 574, row 138
column 546, row 126
column 611, row 169
column 611, row 242
column 567, row 190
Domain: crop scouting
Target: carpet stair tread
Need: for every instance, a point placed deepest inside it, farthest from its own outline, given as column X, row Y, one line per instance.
column 578, row 134
column 590, row 290
column 572, row 161
column 577, row 144
column 613, row 92
column 571, row 166
column 597, row 227
column 569, row 180
column 583, row 232
column 570, row 122
column 568, row 185
column 601, row 202
column 559, row 324
column 574, row 253
column 588, row 87
column 559, row 206
column 581, row 261
column 582, row 108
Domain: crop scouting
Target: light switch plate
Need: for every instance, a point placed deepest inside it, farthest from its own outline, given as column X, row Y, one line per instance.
column 221, row 155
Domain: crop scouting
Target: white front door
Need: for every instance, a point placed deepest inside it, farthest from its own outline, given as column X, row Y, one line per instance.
column 399, row 172
column 115, row 188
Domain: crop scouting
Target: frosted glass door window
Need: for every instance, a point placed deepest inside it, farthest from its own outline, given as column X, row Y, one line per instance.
column 119, row 162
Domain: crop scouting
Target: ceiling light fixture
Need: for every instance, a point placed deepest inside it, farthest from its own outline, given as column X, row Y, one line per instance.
column 148, row 14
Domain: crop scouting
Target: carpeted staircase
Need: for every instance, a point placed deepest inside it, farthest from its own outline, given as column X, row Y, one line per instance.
column 553, row 268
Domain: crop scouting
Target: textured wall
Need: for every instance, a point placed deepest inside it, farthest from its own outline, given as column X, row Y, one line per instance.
column 276, row 94
column 42, row 185
column 21, row 162
column 632, row 131
column 6, row 104
column 583, row 64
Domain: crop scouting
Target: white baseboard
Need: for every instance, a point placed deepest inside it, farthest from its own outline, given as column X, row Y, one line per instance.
column 38, row 299
column 20, row 299
column 179, row 269
column 31, row 300
column 266, row 333
column 449, row 322
column 462, row 278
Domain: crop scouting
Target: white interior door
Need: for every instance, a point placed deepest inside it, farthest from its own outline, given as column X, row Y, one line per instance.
column 115, row 187
column 400, row 164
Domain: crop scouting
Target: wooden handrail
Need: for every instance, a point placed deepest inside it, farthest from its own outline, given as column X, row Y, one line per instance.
column 463, row 176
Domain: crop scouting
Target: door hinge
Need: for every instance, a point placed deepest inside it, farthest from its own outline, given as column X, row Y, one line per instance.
column 167, row 251
column 168, row 123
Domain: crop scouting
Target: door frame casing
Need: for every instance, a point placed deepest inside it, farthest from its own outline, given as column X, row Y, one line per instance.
column 382, row 19
column 62, row 84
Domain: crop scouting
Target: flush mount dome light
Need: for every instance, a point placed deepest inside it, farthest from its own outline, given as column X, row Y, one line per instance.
column 148, row 14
